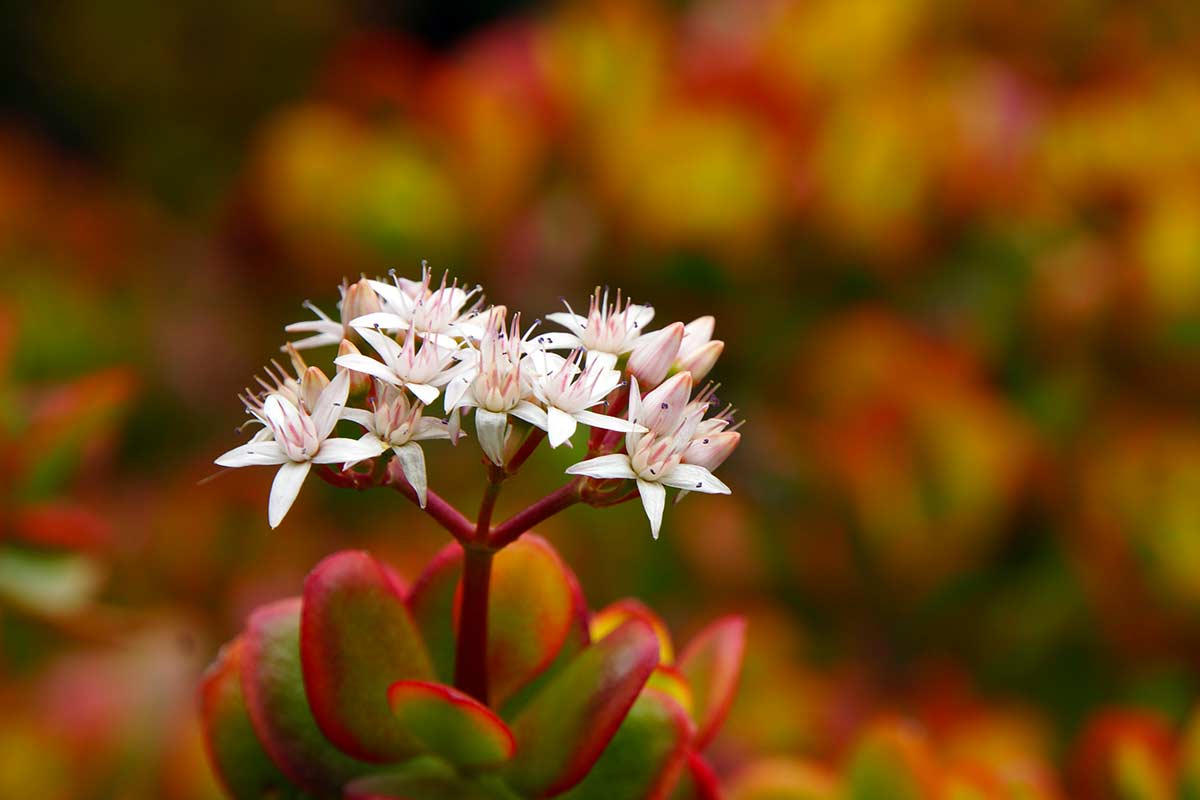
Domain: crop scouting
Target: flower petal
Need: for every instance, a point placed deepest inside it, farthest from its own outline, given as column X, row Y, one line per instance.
column 349, row 451
column 252, row 454
column 615, row 465
column 491, row 427
column 284, row 489
column 368, row 366
column 556, row 340
column 530, row 413
column 423, row 392
column 694, row 478
column 608, row 423
column 572, row 322
column 412, row 463
column 561, row 426
column 654, row 497
column 378, row 319
column 359, row 416
column 330, row 404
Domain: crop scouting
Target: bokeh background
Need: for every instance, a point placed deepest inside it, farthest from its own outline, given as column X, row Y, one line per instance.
column 953, row 248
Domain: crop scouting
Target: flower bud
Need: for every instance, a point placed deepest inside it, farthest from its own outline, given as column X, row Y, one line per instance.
column 360, row 382
column 662, row 408
column 711, row 450
column 359, row 300
column 701, row 361
column 311, row 385
column 654, row 354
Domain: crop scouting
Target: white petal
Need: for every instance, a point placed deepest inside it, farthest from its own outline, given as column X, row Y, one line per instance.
column 368, row 366
column 381, row 319
column 654, row 497
column 412, row 463
column 317, row 340
column 491, row 428
column 429, row 428
column 530, row 413
column 615, row 465
column 349, row 451
column 455, row 391
column 393, row 295
column 359, row 416
column 572, row 322
column 252, row 454
column 555, row 340
column 694, row 479
column 561, row 426
column 601, row 359
column 640, row 316
column 423, row 392
column 284, row 489
column 608, row 423
column 330, row 404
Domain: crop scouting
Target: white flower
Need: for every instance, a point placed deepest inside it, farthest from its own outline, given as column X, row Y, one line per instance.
column 399, row 424
column 296, row 439
column 568, row 392
column 496, row 382
column 357, row 300
column 422, row 370
column 443, row 314
column 654, row 458
column 655, row 353
column 607, row 332
column 698, row 352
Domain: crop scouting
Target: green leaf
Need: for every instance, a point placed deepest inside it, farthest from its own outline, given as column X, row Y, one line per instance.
column 427, row 779
column 451, row 724
column 356, row 640
column 245, row 769
column 275, row 699
column 712, row 664
column 645, row 757
column 562, row 732
column 431, row 602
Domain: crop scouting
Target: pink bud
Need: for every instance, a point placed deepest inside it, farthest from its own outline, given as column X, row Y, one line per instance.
column 701, row 361
column 654, row 354
column 311, row 384
column 359, row 382
column 359, row 300
column 711, row 450
column 662, row 409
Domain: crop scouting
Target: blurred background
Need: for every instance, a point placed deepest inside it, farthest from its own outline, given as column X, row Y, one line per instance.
column 953, row 249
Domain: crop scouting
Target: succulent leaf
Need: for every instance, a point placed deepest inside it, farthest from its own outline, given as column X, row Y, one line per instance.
column 451, row 724
column 712, row 664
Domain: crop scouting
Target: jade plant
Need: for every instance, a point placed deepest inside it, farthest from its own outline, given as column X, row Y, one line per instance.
column 487, row 677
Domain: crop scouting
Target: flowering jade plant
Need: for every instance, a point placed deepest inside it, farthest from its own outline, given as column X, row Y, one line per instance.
column 488, row 677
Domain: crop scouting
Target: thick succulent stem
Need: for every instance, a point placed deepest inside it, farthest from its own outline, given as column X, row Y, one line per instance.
column 470, row 658
column 562, row 498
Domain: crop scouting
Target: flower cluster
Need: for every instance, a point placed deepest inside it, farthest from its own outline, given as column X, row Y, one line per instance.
column 435, row 354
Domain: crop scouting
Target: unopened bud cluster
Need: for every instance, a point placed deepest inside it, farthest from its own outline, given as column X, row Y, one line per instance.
column 420, row 359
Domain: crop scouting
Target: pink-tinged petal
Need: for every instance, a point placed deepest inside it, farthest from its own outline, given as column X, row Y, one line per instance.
column 613, row 616
column 368, row 366
column 694, row 478
column 572, row 322
column 654, row 354
column 711, row 450
column 412, row 464
column 360, row 416
column 712, row 664
column 243, row 766
column 563, row 730
column 556, row 340
column 330, row 404
column 491, row 428
column 561, row 426
column 451, row 725
column 663, row 408
column 273, row 686
column 349, row 451
column 654, row 498
column 700, row 330
column 252, row 454
column 607, row 423
column 701, row 361
column 284, row 489
column 615, row 465
column 357, row 639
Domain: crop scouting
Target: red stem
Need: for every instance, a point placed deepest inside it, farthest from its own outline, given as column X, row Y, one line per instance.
column 522, row 455
column 508, row 531
column 470, row 656
column 442, row 512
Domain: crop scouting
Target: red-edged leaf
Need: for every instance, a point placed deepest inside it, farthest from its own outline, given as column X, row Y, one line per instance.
column 780, row 778
column 645, row 757
column 563, row 730
column 613, row 616
column 238, row 758
column 431, row 602
column 712, row 664
column 275, row 699
column 451, row 724
column 356, row 640
column 425, row 779
column 671, row 681
column 535, row 609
